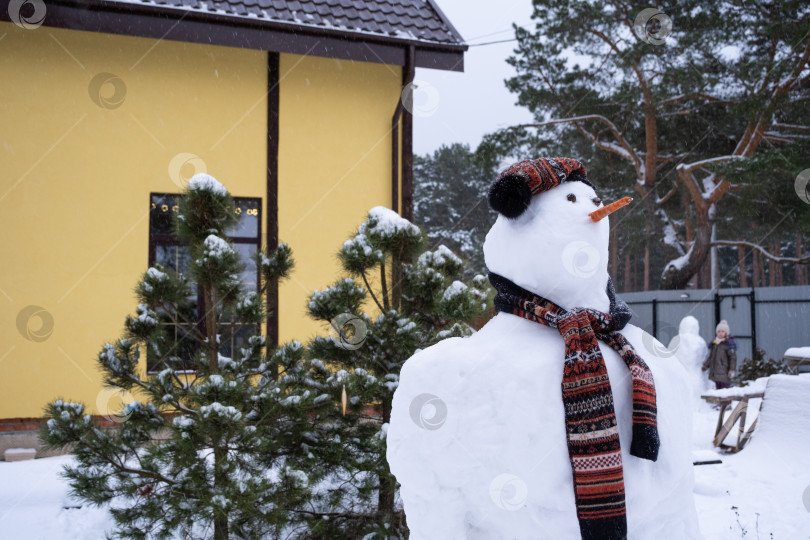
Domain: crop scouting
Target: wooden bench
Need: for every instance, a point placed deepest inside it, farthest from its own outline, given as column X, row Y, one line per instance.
column 724, row 426
column 797, row 360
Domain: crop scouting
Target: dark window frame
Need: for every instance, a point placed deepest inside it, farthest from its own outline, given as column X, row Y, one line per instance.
column 162, row 239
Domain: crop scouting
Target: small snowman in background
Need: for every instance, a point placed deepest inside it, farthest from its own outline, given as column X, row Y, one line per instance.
column 555, row 420
column 690, row 349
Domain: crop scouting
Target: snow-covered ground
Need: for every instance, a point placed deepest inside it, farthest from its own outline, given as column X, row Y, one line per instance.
column 33, row 501
column 763, row 492
column 756, row 494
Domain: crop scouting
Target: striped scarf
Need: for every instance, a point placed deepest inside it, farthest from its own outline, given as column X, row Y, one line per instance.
column 590, row 421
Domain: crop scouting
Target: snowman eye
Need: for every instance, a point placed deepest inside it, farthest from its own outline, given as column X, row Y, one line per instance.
column 596, row 201
column 572, row 197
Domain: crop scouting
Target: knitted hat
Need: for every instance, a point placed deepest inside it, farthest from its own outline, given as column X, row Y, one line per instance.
column 512, row 191
column 722, row 325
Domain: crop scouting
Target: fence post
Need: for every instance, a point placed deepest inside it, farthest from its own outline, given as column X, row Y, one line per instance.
column 716, row 308
column 753, row 301
column 655, row 318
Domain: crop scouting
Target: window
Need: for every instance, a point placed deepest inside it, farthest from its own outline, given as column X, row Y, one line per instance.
column 165, row 248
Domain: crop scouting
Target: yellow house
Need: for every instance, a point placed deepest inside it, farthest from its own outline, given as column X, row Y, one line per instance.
column 107, row 108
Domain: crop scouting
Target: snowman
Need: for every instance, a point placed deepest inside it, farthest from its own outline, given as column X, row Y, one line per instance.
column 553, row 421
column 691, row 349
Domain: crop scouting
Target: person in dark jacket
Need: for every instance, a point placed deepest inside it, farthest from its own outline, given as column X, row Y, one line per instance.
column 722, row 359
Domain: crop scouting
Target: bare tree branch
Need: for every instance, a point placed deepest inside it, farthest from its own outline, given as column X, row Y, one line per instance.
column 629, row 153
column 779, row 259
column 697, row 95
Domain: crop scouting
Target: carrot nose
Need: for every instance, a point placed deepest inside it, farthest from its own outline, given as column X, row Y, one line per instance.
column 605, row 211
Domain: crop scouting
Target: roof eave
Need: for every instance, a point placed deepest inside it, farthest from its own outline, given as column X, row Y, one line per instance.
column 163, row 22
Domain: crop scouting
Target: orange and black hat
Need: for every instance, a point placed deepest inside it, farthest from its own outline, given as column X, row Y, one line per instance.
column 512, row 191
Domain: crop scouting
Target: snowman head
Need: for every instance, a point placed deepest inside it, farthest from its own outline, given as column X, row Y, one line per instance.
column 551, row 236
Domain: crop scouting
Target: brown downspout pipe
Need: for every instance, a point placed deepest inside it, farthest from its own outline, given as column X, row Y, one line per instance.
column 273, row 98
column 404, row 110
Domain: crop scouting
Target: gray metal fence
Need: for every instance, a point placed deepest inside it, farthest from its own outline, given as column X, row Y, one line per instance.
column 773, row 318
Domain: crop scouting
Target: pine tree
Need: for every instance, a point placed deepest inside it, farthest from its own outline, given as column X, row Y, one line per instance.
column 212, row 454
column 450, row 202
column 701, row 98
column 396, row 299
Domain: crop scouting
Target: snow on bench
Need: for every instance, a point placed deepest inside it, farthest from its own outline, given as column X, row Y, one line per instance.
column 798, row 360
column 738, row 392
column 798, row 352
column 19, row 454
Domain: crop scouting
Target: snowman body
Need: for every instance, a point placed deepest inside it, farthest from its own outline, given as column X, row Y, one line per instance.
column 477, row 434
column 487, row 457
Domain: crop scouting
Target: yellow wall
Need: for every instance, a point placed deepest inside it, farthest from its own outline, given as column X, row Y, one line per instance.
column 75, row 179
column 334, row 165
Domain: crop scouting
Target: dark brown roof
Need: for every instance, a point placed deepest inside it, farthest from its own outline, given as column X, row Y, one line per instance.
column 369, row 30
column 417, row 20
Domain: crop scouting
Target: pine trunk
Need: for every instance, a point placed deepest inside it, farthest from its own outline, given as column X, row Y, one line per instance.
column 384, row 287
column 626, row 272
column 706, row 274
column 742, row 266
column 220, row 452
column 211, row 346
column 385, row 496
column 647, row 265
column 396, row 278
column 776, row 249
column 220, row 479
column 714, row 258
column 678, row 278
column 801, row 269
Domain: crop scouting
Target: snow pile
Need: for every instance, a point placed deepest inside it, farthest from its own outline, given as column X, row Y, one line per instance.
column 384, row 222
column 206, row 182
column 359, row 245
column 691, row 350
column 215, row 247
column 758, row 493
column 439, row 257
column 146, row 316
column 35, row 503
column 156, row 275
column 454, row 289
column 798, row 352
column 217, row 409
column 477, row 433
column 783, row 430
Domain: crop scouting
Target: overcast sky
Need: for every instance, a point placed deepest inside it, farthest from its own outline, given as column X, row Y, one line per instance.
column 461, row 107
